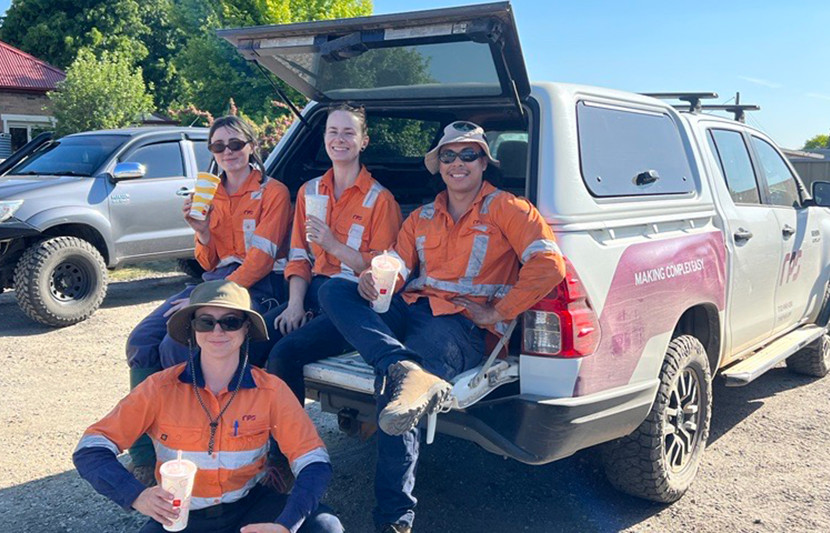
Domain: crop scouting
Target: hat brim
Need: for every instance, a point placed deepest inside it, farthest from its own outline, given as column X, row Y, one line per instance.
column 178, row 327
column 431, row 157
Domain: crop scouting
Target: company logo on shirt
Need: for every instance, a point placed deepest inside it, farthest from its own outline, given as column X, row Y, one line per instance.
column 248, row 418
column 357, row 218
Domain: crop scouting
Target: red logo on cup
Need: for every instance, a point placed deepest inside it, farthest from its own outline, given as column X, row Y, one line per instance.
column 384, row 291
column 177, row 503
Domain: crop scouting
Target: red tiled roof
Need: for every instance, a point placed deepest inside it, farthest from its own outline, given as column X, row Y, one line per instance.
column 20, row 71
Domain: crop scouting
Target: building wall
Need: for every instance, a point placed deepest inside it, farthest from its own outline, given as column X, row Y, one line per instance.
column 22, row 116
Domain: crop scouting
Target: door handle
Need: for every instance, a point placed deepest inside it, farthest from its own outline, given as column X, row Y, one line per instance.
column 787, row 230
column 185, row 191
column 742, row 235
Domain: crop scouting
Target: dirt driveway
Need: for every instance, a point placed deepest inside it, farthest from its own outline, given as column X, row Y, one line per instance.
column 767, row 467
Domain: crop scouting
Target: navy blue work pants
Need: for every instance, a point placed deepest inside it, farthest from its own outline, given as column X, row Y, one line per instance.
column 444, row 345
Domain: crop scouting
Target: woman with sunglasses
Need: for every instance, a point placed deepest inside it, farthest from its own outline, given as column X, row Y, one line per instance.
column 242, row 240
column 219, row 412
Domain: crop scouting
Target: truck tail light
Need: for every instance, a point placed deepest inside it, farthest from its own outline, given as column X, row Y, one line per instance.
column 563, row 324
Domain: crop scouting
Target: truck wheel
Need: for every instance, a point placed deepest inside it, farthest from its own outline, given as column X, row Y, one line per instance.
column 191, row 267
column 813, row 359
column 659, row 460
column 60, row 281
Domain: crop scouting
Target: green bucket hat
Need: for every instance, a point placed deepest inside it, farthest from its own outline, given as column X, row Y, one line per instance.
column 218, row 293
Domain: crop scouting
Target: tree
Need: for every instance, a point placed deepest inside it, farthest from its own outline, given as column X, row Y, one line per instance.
column 99, row 93
column 819, row 141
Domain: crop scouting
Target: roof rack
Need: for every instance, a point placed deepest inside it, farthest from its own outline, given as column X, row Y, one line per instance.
column 737, row 109
column 693, row 99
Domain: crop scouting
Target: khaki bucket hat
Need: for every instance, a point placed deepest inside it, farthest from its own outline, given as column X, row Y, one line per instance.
column 217, row 293
column 460, row 131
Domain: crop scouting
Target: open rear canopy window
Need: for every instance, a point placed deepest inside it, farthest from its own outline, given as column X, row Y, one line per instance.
column 630, row 152
column 465, row 52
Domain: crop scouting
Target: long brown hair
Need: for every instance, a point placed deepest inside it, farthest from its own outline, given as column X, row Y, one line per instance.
column 242, row 127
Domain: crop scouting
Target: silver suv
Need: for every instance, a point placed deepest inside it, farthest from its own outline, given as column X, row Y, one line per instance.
column 79, row 205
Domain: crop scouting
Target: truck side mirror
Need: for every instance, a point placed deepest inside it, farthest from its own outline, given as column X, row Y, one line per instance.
column 128, row 171
column 821, row 193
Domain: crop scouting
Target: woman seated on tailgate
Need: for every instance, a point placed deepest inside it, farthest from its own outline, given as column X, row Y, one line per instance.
column 360, row 218
column 217, row 411
column 240, row 240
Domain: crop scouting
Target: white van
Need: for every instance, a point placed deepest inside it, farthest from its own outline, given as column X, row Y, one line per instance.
column 692, row 246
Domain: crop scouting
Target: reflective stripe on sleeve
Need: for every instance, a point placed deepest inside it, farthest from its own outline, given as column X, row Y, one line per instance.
column 228, row 497
column 404, row 271
column 230, row 260
column 541, row 245
column 280, row 264
column 97, row 441
column 295, row 254
column 261, row 243
column 317, row 455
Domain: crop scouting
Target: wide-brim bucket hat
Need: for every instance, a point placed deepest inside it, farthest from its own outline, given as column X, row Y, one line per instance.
column 460, row 131
column 217, row 293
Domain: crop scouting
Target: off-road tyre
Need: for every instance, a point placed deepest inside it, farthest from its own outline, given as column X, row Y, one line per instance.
column 60, row 281
column 813, row 359
column 191, row 267
column 658, row 461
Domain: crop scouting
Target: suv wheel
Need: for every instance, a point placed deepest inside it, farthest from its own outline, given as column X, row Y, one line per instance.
column 659, row 460
column 60, row 281
column 813, row 359
column 191, row 267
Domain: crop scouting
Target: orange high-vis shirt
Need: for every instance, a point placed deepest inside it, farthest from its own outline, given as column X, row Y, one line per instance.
column 249, row 227
column 366, row 218
column 165, row 406
column 501, row 250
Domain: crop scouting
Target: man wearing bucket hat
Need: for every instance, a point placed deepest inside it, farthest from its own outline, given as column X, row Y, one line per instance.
column 483, row 257
column 219, row 411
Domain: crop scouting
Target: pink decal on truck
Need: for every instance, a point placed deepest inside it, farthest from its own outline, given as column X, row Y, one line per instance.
column 654, row 284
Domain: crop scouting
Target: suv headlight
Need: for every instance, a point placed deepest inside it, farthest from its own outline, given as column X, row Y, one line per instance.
column 9, row 208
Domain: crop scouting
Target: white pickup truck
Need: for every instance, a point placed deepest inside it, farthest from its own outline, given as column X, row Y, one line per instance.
column 693, row 248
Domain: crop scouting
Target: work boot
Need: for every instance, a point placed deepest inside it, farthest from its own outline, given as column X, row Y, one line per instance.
column 395, row 528
column 414, row 393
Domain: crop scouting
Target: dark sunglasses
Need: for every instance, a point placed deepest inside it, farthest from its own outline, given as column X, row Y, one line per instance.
column 206, row 323
column 234, row 144
column 468, row 155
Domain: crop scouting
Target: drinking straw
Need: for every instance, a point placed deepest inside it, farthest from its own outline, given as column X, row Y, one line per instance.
column 179, row 459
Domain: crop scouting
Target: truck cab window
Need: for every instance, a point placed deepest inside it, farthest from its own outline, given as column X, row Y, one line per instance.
column 162, row 160
column 733, row 157
column 783, row 189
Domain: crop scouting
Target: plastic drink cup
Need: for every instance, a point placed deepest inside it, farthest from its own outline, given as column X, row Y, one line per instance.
column 177, row 478
column 316, row 205
column 206, row 185
column 385, row 270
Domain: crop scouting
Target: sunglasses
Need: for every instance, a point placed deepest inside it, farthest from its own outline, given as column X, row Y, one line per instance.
column 234, row 144
column 206, row 323
column 468, row 155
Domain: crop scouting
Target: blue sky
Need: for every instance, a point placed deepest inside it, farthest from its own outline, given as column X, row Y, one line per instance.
column 770, row 51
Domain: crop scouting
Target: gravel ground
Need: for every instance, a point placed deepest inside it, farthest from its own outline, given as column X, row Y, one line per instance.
column 767, row 467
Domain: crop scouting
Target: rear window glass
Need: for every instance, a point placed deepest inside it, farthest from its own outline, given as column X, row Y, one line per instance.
column 623, row 151
column 203, row 156
column 74, row 156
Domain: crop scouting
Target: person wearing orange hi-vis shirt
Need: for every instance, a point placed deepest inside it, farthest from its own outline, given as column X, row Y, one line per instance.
column 242, row 239
column 483, row 256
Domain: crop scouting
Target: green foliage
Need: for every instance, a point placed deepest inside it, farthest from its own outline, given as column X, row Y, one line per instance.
column 99, row 93
column 819, row 141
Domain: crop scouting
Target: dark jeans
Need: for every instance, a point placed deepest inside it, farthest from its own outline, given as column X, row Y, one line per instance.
column 316, row 340
column 261, row 505
column 444, row 345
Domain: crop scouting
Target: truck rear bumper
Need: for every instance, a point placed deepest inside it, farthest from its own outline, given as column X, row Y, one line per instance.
column 530, row 429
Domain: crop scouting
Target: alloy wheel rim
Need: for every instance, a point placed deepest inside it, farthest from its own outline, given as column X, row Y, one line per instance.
column 681, row 428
